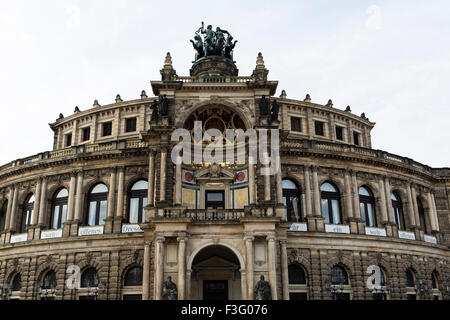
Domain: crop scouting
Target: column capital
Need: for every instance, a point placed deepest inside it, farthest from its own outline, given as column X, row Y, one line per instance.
column 283, row 242
column 148, row 243
column 113, row 169
column 182, row 239
column 249, row 237
column 271, row 237
column 160, row 239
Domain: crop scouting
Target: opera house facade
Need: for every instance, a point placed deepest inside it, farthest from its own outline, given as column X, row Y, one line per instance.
column 110, row 212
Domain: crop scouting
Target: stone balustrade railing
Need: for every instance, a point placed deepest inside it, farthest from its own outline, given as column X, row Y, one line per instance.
column 217, row 79
column 286, row 144
column 203, row 214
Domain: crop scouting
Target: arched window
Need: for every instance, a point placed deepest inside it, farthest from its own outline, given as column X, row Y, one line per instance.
column 298, row 290
column 132, row 283
column 133, row 277
column 435, row 286
column 331, row 210
column 409, row 277
column 367, row 207
column 339, row 275
column 339, row 284
column 25, row 219
column 97, row 205
column 49, row 280
column 137, row 200
column 422, row 219
column 3, row 211
column 59, row 209
column 291, row 199
column 89, row 278
column 16, row 284
column 397, row 210
column 380, row 293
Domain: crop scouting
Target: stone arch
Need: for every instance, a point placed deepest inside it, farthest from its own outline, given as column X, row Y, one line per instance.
column 294, row 179
column 344, row 262
column 213, row 243
column 295, row 257
column 381, row 262
column 129, row 263
column 44, row 268
column 179, row 121
column 338, row 184
column 51, row 190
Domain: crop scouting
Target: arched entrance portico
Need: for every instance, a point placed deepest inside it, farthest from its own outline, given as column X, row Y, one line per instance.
column 216, row 273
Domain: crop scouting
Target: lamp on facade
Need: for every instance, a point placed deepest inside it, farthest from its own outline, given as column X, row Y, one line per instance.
column 447, row 286
column 421, row 287
column 334, row 288
column 5, row 292
column 46, row 293
column 383, row 289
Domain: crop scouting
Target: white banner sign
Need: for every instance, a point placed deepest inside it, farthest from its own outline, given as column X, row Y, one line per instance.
column 18, row 238
column 337, row 228
column 298, row 227
column 88, row 231
column 406, row 235
column 381, row 232
column 430, row 239
column 129, row 228
column 50, row 234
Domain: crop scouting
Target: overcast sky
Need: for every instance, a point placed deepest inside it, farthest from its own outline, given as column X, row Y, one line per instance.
column 389, row 59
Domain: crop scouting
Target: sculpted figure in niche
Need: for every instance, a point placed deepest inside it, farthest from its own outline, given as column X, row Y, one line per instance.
column 274, row 111
column 155, row 111
column 263, row 106
column 169, row 291
column 262, row 290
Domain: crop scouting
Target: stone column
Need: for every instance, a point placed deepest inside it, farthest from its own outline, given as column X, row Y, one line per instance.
column 121, row 180
column 249, row 253
column 308, row 196
column 411, row 215
column 14, row 209
column 267, row 186
column 279, row 181
column 70, row 200
column 181, row 267
column 162, row 178
column 159, row 272
column 111, row 194
column 9, row 208
column 284, row 270
column 387, row 189
column 355, row 197
column 430, row 212
column 146, row 272
column 243, row 284
column 78, row 202
column 436, row 220
column 348, row 196
column 416, row 207
column 43, row 203
column 178, row 184
column 272, row 267
column 151, row 177
column 37, row 196
column 188, row 284
column 316, row 193
column 383, row 205
column 251, row 183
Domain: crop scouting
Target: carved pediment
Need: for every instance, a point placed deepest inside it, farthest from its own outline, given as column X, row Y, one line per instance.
column 216, row 263
column 214, row 172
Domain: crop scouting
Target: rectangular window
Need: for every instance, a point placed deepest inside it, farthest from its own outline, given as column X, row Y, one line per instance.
column 130, row 125
column 356, row 138
column 68, row 140
column 339, row 133
column 106, row 129
column 296, row 124
column 86, row 133
column 318, row 126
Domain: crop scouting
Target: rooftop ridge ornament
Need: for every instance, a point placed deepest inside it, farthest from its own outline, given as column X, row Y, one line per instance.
column 168, row 73
column 213, row 43
column 260, row 73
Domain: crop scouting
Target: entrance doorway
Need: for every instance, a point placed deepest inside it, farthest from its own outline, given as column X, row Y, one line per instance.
column 215, row 274
column 215, row 290
column 215, row 199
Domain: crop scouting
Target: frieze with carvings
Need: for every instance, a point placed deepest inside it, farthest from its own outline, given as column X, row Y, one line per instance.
column 139, row 171
column 366, row 176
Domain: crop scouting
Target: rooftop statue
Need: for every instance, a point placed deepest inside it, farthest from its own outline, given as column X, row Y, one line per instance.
column 214, row 43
